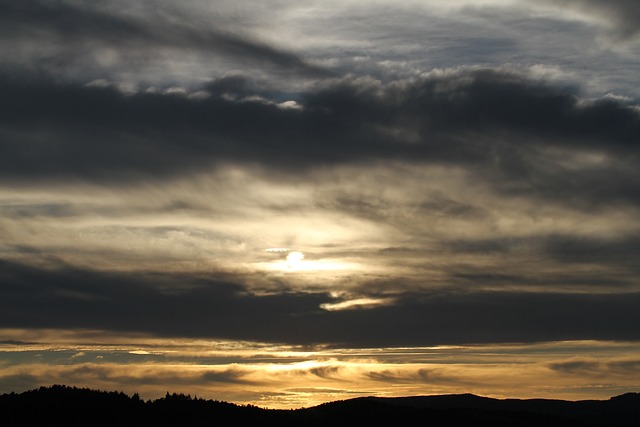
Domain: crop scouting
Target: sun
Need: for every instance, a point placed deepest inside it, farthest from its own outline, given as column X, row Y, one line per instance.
column 295, row 257
column 287, row 260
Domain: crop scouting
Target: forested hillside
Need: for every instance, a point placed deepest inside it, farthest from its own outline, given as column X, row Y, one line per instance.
column 70, row 406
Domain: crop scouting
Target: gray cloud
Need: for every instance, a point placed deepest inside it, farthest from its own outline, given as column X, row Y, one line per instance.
column 158, row 376
column 198, row 307
column 327, row 372
column 229, row 375
column 623, row 251
column 624, row 15
column 502, row 123
column 429, row 376
column 618, row 252
column 63, row 19
column 71, row 38
column 597, row 368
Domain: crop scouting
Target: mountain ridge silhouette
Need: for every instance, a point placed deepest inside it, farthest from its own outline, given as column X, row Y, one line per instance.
column 60, row 405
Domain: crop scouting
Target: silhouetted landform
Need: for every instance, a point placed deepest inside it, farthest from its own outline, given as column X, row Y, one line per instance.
column 70, row 406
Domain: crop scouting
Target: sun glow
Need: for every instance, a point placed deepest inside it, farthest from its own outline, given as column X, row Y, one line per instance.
column 295, row 257
column 295, row 261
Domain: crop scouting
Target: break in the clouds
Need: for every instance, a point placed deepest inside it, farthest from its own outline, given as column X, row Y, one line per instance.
column 328, row 175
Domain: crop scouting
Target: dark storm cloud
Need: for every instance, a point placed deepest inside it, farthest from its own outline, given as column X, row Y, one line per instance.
column 71, row 297
column 499, row 122
column 69, row 31
column 169, row 305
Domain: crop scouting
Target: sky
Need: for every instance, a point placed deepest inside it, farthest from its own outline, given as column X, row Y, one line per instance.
column 286, row 203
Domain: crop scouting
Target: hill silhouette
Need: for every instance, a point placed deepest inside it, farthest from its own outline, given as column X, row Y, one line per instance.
column 60, row 405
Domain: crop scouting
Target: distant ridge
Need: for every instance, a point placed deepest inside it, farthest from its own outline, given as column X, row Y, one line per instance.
column 60, row 405
column 623, row 410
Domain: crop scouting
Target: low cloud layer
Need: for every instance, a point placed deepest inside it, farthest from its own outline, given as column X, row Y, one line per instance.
column 202, row 308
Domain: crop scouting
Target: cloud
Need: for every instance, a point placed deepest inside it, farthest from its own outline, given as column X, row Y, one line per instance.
column 621, row 16
column 616, row 255
column 327, row 372
column 198, row 307
column 131, row 376
column 516, row 131
column 87, row 39
column 597, row 368
column 576, row 249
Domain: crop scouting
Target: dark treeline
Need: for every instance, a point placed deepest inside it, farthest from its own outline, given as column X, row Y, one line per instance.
column 70, row 406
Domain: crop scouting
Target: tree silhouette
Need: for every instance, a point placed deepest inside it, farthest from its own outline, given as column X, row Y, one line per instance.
column 60, row 405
